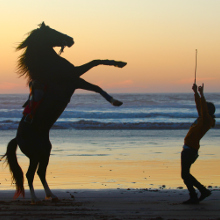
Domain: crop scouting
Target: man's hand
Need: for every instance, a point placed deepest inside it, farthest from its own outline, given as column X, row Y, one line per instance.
column 201, row 89
column 194, row 88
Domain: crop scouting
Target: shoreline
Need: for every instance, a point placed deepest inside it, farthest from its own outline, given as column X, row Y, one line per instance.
column 118, row 159
column 101, row 175
column 114, row 175
column 112, row 204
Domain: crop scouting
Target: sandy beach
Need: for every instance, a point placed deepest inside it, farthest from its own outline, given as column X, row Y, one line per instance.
column 114, row 204
column 115, row 175
column 117, row 159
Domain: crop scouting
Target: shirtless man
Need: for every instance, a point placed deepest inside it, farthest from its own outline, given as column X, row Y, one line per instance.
column 189, row 154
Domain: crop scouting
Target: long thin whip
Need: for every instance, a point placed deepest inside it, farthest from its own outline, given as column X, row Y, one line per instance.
column 195, row 65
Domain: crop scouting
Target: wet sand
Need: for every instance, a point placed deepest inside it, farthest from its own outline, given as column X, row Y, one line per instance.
column 120, row 174
column 118, row 159
column 115, row 175
column 111, row 204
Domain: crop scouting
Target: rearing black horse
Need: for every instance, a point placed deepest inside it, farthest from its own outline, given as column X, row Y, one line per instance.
column 41, row 63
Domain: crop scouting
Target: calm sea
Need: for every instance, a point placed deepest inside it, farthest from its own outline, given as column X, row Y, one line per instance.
column 139, row 111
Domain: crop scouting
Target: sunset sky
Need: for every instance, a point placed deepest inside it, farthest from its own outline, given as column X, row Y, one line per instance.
column 157, row 38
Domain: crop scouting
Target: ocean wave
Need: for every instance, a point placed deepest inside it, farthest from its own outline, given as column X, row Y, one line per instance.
column 83, row 124
column 88, row 124
column 139, row 111
column 161, row 114
column 128, row 114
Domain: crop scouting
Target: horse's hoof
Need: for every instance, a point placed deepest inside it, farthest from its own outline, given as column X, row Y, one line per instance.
column 52, row 198
column 120, row 64
column 117, row 103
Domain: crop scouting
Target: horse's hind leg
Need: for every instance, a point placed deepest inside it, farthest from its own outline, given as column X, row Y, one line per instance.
column 82, row 84
column 30, row 177
column 42, row 174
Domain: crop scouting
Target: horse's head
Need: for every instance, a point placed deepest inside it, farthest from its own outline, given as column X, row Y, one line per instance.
column 46, row 37
column 39, row 41
column 55, row 38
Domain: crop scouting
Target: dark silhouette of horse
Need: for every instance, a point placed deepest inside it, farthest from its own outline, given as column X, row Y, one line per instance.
column 40, row 63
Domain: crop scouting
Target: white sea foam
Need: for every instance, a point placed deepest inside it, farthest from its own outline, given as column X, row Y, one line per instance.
column 139, row 111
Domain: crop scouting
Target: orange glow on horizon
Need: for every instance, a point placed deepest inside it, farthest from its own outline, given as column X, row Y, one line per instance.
column 157, row 39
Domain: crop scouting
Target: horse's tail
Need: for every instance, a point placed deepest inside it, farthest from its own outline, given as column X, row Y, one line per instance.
column 15, row 169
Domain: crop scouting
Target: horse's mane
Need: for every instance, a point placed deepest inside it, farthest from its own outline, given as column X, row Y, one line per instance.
column 24, row 60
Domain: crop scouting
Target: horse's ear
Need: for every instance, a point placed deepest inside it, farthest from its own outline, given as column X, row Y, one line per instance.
column 42, row 25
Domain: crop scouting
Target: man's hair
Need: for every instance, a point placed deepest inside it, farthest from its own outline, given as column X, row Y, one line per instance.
column 211, row 108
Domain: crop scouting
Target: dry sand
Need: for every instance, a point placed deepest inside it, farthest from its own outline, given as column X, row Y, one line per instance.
column 113, row 204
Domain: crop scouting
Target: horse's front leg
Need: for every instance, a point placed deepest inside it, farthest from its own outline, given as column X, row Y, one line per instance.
column 119, row 64
column 80, row 70
column 82, row 84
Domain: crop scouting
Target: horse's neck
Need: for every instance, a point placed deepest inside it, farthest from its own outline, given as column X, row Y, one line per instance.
column 58, row 92
column 46, row 54
column 41, row 63
column 45, row 64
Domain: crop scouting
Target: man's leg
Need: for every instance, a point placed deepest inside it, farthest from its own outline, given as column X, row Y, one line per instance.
column 188, row 157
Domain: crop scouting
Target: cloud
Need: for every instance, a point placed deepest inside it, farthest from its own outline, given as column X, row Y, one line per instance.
column 191, row 80
column 7, row 85
column 122, row 84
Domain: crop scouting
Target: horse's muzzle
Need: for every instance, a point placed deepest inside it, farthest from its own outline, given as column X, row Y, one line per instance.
column 70, row 42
